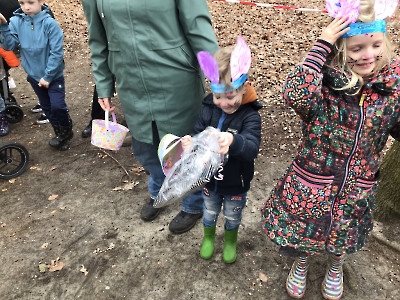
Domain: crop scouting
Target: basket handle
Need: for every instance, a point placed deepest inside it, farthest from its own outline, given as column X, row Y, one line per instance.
column 106, row 116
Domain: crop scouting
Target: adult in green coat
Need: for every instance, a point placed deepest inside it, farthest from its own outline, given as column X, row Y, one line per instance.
column 148, row 48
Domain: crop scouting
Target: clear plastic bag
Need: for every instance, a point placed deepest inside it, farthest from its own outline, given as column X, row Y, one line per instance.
column 195, row 168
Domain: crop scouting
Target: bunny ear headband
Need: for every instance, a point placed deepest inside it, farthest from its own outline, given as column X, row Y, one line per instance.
column 240, row 65
column 351, row 8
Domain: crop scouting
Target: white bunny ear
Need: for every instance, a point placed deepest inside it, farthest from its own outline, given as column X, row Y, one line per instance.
column 385, row 8
column 343, row 8
column 240, row 59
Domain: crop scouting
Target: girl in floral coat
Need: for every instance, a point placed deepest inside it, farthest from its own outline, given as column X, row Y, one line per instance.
column 347, row 93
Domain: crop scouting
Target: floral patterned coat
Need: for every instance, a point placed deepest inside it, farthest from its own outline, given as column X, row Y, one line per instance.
column 326, row 198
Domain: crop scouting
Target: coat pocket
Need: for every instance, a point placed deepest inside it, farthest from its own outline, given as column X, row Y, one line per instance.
column 306, row 195
column 362, row 199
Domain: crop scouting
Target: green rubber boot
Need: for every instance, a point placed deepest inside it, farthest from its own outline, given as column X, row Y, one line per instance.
column 229, row 254
column 207, row 247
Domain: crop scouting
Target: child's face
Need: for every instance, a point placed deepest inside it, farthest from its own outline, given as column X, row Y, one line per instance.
column 364, row 51
column 31, row 7
column 229, row 102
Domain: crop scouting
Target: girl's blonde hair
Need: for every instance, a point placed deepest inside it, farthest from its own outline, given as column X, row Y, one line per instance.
column 339, row 54
column 223, row 59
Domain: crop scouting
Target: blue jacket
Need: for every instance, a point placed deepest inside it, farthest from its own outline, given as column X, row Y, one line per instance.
column 245, row 125
column 41, row 41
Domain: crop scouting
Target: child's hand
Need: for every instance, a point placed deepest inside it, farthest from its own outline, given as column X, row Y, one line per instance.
column 186, row 141
column 2, row 19
column 106, row 104
column 335, row 30
column 225, row 139
column 43, row 83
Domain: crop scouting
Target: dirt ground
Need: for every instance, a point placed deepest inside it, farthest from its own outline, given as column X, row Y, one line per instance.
column 78, row 206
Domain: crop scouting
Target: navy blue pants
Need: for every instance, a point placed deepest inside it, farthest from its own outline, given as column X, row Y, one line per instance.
column 52, row 101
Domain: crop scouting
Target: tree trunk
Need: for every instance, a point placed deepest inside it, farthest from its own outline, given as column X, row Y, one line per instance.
column 388, row 198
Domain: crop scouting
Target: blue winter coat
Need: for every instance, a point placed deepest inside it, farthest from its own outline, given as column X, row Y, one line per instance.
column 41, row 40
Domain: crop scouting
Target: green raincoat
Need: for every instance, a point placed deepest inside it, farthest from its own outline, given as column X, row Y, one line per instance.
column 149, row 48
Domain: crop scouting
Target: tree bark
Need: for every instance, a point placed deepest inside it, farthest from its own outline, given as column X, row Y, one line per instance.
column 388, row 198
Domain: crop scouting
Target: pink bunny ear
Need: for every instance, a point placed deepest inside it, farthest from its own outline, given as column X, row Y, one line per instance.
column 240, row 59
column 385, row 8
column 344, row 8
column 209, row 66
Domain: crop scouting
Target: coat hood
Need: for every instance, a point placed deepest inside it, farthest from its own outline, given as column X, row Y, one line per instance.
column 45, row 13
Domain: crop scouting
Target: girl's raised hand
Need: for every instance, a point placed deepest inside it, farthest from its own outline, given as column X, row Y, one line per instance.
column 335, row 30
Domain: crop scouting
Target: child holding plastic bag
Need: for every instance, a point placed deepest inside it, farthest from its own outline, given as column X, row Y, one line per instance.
column 233, row 109
column 347, row 93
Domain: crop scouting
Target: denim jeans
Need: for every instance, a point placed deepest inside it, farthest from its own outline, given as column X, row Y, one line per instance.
column 233, row 207
column 52, row 100
column 147, row 155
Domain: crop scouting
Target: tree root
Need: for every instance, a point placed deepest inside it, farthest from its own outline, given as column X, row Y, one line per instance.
column 378, row 235
column 114, row 159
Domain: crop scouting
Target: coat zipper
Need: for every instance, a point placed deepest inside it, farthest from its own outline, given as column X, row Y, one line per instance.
column 361, row 107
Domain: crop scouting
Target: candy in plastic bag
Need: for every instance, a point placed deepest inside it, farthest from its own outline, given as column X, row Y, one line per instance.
column 195, row 168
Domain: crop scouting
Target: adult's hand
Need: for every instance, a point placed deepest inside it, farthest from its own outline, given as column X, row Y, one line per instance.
column 106, row 104
column 335, row 30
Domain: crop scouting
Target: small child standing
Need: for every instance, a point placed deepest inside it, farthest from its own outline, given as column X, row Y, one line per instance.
column 233, row 109
column 41, row 43
column 347, row 93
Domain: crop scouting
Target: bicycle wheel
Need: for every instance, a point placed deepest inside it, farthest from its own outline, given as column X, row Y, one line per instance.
column 14, row 159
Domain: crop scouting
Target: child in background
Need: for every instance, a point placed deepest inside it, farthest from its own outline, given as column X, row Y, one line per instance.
column 41, row 43
column 232, row 108
column 9, row 61
column 347, row 92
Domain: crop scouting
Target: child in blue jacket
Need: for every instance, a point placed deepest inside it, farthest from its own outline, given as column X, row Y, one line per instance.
column 233, row 109
column 41, row 43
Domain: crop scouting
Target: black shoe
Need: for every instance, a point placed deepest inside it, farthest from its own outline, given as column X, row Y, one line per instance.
column 149, row 212
column 37, row 108
column 183, row 222
column 87, row 132
column 42, row 120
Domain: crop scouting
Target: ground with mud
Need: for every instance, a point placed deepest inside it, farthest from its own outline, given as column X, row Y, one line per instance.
column 80, row 208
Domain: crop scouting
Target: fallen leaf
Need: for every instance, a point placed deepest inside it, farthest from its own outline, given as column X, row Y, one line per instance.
column 83, row 270
column 56, row 265
column 126, row 187
column 263, row 277
column 12, row 180
column 42, row 268
column 33, row 168
column 52, row 197
column 4, row 190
